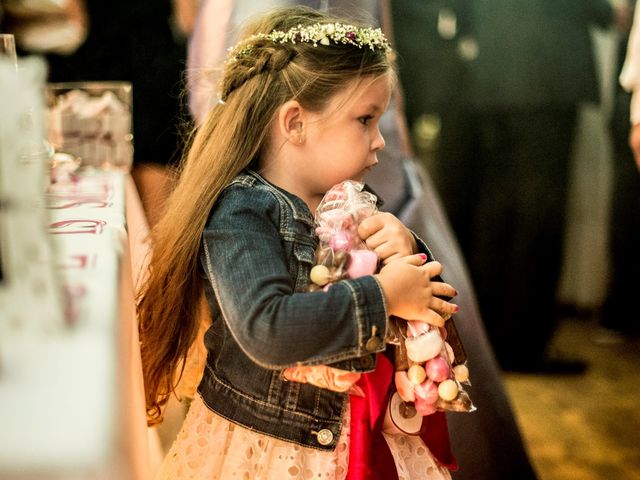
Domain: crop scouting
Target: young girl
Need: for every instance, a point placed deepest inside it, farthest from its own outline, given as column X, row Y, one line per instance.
column 300, row 101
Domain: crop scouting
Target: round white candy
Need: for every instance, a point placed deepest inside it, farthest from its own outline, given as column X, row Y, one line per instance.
column 320, row 275
column 461, row 372
column 448, row 390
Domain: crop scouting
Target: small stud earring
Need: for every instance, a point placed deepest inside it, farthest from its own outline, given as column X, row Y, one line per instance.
column 300, row 139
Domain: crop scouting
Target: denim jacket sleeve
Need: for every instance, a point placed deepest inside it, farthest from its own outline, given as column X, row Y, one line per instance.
column 248, row 258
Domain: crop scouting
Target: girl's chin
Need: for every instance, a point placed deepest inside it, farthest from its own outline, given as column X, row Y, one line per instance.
column 360, row 177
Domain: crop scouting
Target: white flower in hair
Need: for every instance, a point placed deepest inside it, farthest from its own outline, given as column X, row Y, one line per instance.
column 319, row 33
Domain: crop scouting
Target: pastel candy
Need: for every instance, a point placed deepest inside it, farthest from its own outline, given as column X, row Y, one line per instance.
column 461, row 373
column 426, row 346
column 424, row 408
column 404, row 387
column 320, row 275
column 416, row 374
column 363, row 262
column 340, row 241
column 426, row 392
column 448, row 390
column 437, row 369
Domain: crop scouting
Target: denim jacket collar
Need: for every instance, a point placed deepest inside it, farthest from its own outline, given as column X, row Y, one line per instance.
column 300, row 209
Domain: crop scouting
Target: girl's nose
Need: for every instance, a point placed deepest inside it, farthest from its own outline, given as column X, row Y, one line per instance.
column 378, row 142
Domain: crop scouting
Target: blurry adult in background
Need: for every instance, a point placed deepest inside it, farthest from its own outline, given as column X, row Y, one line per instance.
column 486, row 443
column 46, row 26
column 630, row 80
column 513, row 73
column 144, row 42
column 619, row 315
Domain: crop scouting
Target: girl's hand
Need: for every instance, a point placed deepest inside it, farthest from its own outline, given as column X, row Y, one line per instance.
column 387, row 236
column 409, row 292
column 441, row 310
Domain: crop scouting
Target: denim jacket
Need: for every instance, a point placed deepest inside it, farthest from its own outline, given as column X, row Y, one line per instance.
column 257, row 251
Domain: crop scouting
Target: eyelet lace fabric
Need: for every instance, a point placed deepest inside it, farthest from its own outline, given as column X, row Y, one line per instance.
column 212, row 448
column 413, row 459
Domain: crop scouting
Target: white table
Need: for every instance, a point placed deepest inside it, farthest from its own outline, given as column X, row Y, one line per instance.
column 71, row 401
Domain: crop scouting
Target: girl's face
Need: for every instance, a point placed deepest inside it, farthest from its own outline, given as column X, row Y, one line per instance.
column 341, row 141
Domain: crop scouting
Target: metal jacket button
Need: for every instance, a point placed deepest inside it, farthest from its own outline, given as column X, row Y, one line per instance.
column 373, row 344
column 325, row 436
column 366, row 362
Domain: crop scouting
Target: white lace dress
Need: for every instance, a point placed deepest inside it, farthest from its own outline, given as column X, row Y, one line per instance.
column 210, row 447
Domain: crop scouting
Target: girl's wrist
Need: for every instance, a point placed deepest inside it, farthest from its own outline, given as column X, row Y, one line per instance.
column 384, row 287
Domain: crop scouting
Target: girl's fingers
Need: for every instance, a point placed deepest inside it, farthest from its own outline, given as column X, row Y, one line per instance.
column 389, row 252
column 383, row 249
column 418, row 259
column 443, row 289
column 432, row 317
column 434, row 267
column 391, row 258
column 443, row 307
column 370, row 225
column 375, row 240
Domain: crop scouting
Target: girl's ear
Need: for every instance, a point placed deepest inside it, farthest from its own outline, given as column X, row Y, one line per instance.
column 291, row 117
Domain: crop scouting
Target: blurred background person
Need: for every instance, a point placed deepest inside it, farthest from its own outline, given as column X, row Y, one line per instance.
column 513, row 74
column 618, row 315
column 142, row 42
column 41, row 27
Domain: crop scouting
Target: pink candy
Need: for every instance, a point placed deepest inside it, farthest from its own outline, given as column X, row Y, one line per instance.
column 340, row 241
column 427, row 392
column 426, row 397
column 437, row 369
column 363, row 262
column 424, row 408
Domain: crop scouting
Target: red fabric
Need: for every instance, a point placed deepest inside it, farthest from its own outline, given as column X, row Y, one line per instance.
column 369, row 454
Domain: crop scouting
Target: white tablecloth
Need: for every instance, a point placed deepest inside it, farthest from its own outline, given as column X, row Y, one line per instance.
column 71, row 401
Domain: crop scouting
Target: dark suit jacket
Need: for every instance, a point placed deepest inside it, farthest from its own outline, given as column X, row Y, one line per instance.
column 433, row 74
column 535, row 53
column 530, row 53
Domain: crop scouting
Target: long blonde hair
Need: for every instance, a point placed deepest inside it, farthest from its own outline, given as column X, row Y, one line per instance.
column 233, row 135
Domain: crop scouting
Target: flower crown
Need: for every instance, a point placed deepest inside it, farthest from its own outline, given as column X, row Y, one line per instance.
column 323, row 34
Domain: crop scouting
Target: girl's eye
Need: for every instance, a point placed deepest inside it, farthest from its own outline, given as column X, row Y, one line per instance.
column 365, row 119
